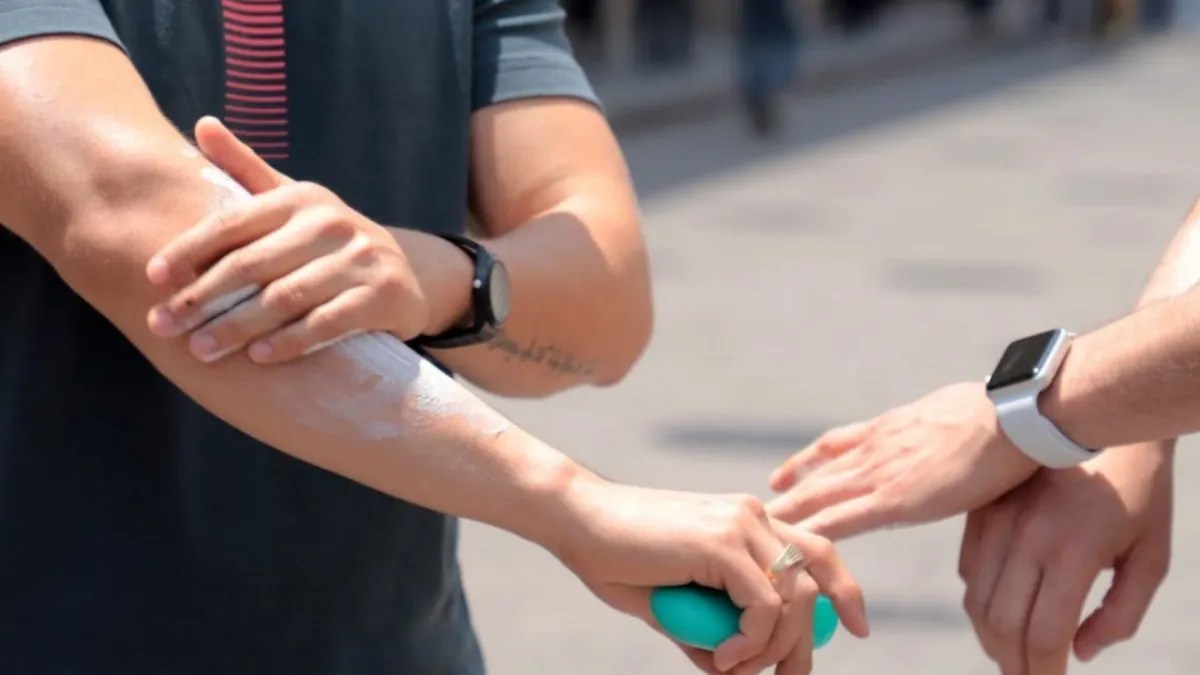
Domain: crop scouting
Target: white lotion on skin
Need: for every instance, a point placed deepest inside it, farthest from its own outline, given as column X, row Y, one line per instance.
column 376, row 388
column 222, row 304
column 223, row 180
column 370, row 386
column 321, row 346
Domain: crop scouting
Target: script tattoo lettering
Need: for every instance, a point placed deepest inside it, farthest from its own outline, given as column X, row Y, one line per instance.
column 551, row 357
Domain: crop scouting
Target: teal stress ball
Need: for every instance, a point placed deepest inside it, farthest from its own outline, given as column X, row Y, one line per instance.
column 704, row 617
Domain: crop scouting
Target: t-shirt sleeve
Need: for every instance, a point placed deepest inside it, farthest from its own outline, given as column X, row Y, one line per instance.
column 521, row 50
column 32, row 18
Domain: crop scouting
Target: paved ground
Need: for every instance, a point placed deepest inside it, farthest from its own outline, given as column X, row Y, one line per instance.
column 912, row 33
column 893, row 241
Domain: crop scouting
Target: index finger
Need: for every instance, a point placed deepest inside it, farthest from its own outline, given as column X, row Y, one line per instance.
column 194, row 250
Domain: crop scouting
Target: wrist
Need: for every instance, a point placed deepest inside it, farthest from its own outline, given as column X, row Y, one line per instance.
column 550, row 484
column 1062, row 402
column 443, row 273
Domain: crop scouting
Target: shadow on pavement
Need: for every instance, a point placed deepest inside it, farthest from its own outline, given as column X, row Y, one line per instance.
column 732, row 437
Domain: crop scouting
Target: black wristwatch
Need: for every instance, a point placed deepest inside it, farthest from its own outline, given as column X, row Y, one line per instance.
column 489, row 300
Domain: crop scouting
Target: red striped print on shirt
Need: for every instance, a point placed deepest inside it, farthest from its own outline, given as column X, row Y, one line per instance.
column 256, row 101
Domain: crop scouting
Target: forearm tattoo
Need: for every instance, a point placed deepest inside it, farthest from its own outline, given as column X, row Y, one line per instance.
column 547, row 355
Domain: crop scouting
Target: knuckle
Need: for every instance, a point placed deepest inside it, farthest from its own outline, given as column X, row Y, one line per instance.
column 285, row 296
column 328, row 321
column 825, row 447
column 821, row 549
column 750, row 507
column 773, row 604
column 1125, row 626
column 332, row 223
column 1003, row 627
column 391, row 283
column 364, row 252
column 966, row 566
column 974, row 604
column 806, row 590
column 309, row 191
column 243, row 267
column 1158, row 567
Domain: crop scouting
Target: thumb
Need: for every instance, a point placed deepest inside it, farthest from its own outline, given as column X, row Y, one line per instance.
column 1125, row 604
column 235, row 158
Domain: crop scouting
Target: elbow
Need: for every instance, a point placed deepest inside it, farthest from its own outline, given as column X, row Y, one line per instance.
column 120, row 221
column 631, row 325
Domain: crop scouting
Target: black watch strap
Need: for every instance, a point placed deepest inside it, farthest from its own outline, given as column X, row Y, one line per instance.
column 485, row 319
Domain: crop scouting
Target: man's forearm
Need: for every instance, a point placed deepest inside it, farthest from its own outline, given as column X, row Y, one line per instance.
column 369, row 409
column 578, row 316
column 1102, row 365
column 97, row 181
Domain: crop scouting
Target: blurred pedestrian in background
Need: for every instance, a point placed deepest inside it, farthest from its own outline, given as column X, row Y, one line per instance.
column 768, row 52
column 663, row 33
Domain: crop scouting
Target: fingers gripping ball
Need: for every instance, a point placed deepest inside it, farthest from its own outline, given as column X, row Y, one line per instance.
column 703, row 617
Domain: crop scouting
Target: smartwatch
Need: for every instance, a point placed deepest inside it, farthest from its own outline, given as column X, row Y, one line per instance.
column 1025, row 369
column 489, row 300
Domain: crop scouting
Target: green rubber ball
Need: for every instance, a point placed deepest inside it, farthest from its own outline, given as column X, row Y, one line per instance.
column 705, row 617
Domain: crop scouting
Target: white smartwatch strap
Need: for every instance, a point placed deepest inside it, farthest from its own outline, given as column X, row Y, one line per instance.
column 1035, row 435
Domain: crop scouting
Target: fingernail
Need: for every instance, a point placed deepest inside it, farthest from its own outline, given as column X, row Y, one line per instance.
column 203, row 346
column 260, row 351
column 158, row 271
column 163, row 323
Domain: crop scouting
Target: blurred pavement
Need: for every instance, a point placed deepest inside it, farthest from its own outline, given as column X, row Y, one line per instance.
column 895, row 239
column 911, row 33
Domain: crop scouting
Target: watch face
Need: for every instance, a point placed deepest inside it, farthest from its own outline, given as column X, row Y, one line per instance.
column 498, row 290
column 1022, row 360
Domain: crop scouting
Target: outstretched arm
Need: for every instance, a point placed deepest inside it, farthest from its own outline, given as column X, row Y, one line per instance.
column 96, row 180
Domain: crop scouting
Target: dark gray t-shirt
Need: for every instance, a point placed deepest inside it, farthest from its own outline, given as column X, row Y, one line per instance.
column 139, row 534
